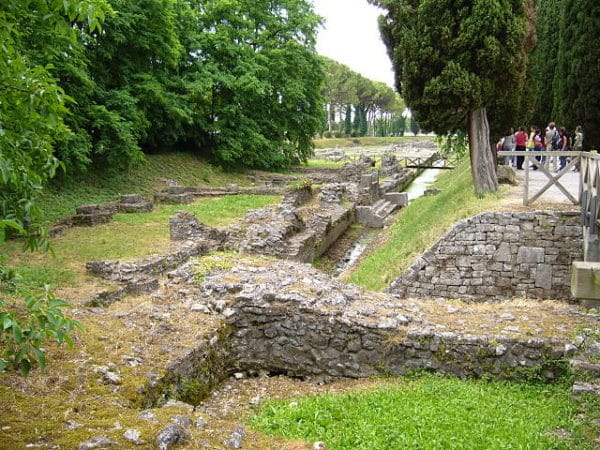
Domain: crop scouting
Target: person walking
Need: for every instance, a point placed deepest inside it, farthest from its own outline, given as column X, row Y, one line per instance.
column 520, row 146
column 538, row 143
column 549, row 137
column 508, row 145
column 578, row 144
column 563, row 146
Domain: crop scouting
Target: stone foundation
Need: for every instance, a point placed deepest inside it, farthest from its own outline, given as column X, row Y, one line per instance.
column 286, row 317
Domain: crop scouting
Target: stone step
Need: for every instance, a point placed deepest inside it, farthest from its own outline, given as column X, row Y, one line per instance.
column 580, row 387
column 586, row 367
column 383, row 208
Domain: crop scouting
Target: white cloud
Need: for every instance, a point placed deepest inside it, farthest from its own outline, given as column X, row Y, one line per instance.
column 351, row 36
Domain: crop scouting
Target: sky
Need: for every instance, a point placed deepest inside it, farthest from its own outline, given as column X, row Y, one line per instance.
column 351, row 37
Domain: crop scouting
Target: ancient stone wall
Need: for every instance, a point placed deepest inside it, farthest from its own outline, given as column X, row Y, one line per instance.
column 289, row 318
column 497, row 256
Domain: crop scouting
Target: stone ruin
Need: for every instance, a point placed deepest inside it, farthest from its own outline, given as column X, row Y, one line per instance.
column 498, row 256
column 97, row 214
column 279, row 315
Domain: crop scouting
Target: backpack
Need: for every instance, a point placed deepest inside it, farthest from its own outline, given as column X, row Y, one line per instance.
column 556, row 141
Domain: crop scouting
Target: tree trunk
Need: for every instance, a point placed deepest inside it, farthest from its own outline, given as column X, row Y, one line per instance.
column 483, row 157
column 330, row 117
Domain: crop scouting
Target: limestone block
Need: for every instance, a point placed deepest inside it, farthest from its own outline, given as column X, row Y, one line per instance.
column 543, row 276
column 506, row 175
column 176, row 199
column 132, row 198
column 365, row 216
column 585, row 280
column 397, row 198
column 530, row 255
column 92, row 219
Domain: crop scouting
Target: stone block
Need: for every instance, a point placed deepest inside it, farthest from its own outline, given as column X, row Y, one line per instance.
column 543, row 276
column 585, row 280
column 132, row 198
column 92, row 219
column 88, row 209
column 174, row 199
column 507, row 175
column 530, row 255
column 136, row 207
column 397, row 198
column 365, row 216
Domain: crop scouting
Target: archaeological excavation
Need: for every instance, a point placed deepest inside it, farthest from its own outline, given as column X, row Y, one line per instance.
column 269, row 311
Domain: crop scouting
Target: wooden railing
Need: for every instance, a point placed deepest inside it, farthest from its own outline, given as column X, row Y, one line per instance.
column 589, row 190
column 534, row 159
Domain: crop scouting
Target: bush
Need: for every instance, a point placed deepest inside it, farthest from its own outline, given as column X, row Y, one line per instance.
column 25, row 327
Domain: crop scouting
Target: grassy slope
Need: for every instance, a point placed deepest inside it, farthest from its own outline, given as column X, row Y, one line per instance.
column 99, row 187
column 418, row 226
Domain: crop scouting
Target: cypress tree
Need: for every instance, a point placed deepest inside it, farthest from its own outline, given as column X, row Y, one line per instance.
column 577, row 100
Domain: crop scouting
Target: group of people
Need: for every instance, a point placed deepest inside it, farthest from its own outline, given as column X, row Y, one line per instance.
column 552, row 138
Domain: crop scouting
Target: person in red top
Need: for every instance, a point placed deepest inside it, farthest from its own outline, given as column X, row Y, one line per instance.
column 520, row 146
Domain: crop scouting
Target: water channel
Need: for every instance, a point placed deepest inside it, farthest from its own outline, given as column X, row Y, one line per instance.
column 415, row 190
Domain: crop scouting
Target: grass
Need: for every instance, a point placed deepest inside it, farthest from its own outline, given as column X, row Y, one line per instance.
column 97, row 186
column 419, row 225
column 431, row 412
column 128, row 237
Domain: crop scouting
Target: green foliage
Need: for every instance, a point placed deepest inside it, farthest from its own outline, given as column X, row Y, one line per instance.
column 24, row 329
column 454, row 57
column 431, row 412
column 263, row 104
column 453, row 144
column 32, row 111
column 562, row 81
column 577, row 84
column 32, row 106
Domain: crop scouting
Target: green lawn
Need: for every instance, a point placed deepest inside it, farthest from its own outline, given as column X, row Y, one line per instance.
column 431, row 412
column 128, row 237
column 62, row 197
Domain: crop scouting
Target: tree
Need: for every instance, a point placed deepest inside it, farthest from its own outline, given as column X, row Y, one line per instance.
column 348, row 120
column 577, row 79
column 32, row 110
column 452, row 59
column 265, row 79
column 339, row 89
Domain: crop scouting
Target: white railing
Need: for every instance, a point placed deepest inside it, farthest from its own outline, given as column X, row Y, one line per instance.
column 534, row 159
column 589, row 190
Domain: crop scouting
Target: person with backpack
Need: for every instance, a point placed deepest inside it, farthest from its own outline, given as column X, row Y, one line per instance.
column 551, row 138
column 562, row 145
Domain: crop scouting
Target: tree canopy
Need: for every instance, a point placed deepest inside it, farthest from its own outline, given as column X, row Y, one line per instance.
column 563, row 77
column 359, row 106
column 453, row 60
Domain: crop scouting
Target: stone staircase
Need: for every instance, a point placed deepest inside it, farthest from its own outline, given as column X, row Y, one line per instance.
column 374, row 216
column 587, row 367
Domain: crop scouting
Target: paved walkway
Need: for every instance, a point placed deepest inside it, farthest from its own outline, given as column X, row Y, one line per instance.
column 537, row 180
